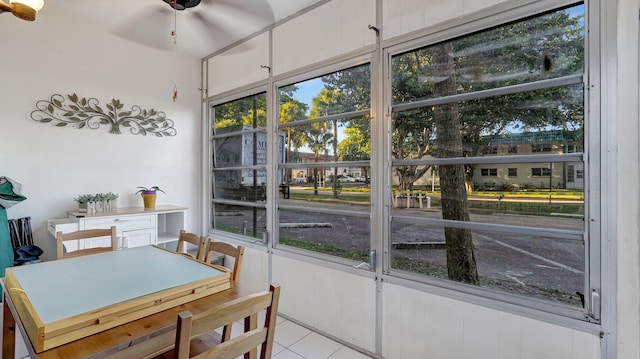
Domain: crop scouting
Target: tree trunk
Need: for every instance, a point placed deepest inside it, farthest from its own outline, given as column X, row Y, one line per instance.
column 334, row 182
column 461, row 263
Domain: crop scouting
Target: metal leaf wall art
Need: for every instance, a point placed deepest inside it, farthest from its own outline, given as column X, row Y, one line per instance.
column 83, row 112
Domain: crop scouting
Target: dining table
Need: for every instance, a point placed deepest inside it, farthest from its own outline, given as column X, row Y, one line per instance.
column 120, row 304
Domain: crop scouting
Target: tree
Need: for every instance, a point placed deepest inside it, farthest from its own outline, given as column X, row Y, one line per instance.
column 317, row 135
column 352, row 92
column 461, row 262
column 291, row 110
column 355, row 147
column 539, row 48
column 324, row 104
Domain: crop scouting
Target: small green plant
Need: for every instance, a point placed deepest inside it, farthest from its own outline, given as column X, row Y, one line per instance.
column 110, row 196
column 152, row 189
column 85, row 198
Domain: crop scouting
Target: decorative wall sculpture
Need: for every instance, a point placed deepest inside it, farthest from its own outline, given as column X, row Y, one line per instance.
column 83, row 112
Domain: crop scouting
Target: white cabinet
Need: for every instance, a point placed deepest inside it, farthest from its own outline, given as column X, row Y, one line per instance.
column 138, row 237
column 135, row 226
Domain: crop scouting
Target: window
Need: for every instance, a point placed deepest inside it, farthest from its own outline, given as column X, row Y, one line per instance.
column 541, row 147
column 491, row 172
column 483, row 130
column 239, row 144
column 520, row 84
column 540, row 172
column 493, row 150
column 325, row 120
column 570, row 173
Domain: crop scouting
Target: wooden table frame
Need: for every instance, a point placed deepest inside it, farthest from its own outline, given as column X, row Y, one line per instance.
column 143, row 338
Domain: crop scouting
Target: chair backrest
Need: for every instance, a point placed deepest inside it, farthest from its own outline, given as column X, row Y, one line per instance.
column 190, row 326
column 83, row 235
column 192, row 238
column 226, row 249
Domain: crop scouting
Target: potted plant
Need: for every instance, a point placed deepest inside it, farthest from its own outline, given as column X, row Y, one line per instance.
column 149, row 195
column 86, row 203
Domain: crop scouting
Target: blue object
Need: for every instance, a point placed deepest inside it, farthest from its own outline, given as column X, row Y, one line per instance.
column 9, row 196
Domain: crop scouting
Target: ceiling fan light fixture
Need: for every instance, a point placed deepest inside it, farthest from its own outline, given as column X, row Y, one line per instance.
column 26, row 9
column 182, row 4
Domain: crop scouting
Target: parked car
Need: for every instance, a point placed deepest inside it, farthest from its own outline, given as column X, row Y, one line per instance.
column 347, row 179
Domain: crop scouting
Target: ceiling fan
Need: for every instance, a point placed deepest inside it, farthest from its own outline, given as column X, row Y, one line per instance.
column 182, row 4
column 26, row 9
column 202, row 25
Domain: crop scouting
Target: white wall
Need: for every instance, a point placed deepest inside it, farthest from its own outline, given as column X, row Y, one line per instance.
column 622, row 158
column 61, row 54
column 333, row 301
column 420, row 325
column 416, row 323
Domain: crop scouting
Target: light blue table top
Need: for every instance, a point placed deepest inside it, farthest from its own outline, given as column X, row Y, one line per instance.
column 64, row 288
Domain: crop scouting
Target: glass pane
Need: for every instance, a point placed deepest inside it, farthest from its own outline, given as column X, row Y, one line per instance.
column 244, row 144
column 351, row 190
column 536, row 267
column 239, row 185
column 538, row 48
column 339, row 92
column 250, row 111
column 246, row 221
column 337, row 235
column 521, row 194
column 549, row 121
column 337, row 140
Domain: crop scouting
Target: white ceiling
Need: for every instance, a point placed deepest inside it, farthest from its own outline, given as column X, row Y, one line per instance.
column 201, row 30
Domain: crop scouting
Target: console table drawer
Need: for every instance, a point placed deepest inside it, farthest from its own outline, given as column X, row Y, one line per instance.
column 122, row 223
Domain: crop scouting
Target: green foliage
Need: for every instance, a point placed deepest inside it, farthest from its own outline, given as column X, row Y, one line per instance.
column 538, row 48
column 149, row 189
column 86, row 198
column 248, row 111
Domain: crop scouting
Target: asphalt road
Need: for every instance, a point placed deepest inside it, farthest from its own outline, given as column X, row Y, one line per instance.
column 517, row 263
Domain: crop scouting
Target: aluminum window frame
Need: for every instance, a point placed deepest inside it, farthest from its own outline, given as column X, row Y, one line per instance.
column 298, row 77
column 210, row 103
column 591, row 163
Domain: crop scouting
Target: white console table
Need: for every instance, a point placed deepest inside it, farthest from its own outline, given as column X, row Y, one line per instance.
column 135, row 226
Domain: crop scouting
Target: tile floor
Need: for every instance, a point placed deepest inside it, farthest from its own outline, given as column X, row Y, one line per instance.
column 293, row 341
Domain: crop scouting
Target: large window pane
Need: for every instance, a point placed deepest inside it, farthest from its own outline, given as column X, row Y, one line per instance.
column 535, row 49
column 549, row 121
column 326, row 166
column 503, row 194
column 334, row 234
column 512, row 94
column 239, row 144
column 247, row 221
column 533, row 266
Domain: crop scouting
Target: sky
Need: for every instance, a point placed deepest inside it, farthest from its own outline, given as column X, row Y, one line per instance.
column 307, row 90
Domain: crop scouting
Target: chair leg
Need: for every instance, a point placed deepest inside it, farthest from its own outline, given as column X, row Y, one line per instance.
column 226, row 333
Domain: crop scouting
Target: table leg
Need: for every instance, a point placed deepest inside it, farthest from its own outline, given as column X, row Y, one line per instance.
column 8, row 332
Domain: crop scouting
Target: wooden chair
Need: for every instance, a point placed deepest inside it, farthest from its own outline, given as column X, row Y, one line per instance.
column 186, row 238
column 227, row 250
column 190, row 326
column 84, row 235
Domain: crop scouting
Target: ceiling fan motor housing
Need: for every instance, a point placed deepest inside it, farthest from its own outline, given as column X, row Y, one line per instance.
column 182, row 4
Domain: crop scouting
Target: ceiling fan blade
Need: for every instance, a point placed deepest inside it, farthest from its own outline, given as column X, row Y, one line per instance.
column 210, row 27
column 250, row 10
column 151, row 28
